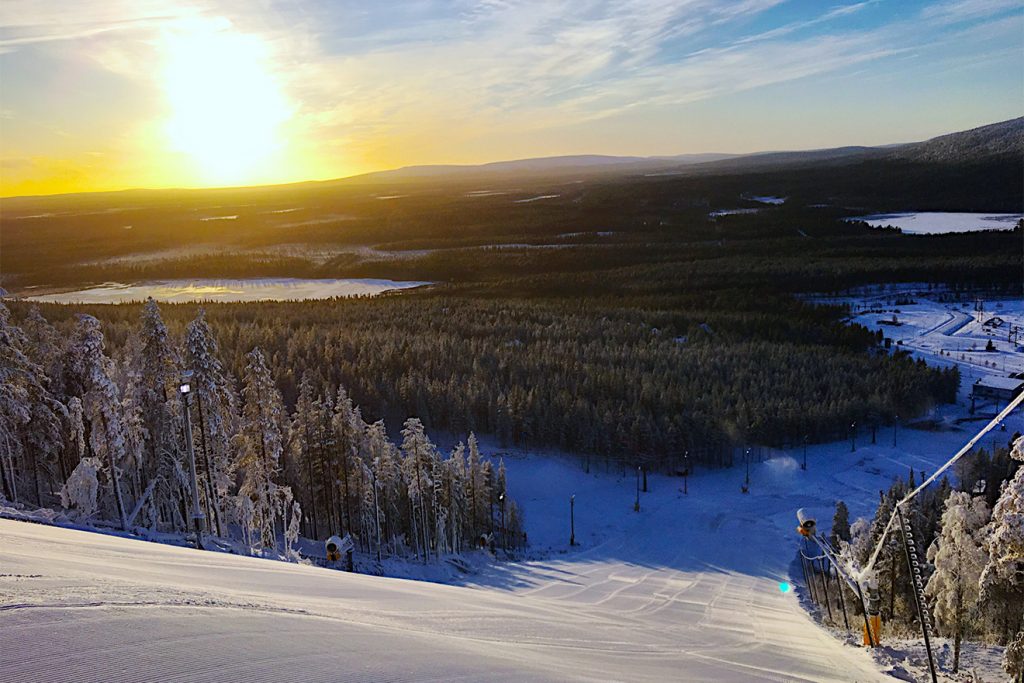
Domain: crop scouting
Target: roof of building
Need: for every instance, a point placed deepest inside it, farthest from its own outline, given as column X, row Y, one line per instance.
column 993, row 382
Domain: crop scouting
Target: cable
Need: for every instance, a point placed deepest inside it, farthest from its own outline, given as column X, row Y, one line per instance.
column 963, row 451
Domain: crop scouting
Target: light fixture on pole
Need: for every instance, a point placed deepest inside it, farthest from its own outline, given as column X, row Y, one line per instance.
column 504, row 531
column 636, row 505
column 197, row 514
column 572, row 520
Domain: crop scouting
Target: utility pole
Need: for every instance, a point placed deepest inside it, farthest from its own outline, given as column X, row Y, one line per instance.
column 572, row 520
column 197, row 513
column 636, row 505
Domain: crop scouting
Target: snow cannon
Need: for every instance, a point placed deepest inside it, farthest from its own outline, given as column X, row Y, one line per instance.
column 333, row 547
column 807, row 523
column 338, row 547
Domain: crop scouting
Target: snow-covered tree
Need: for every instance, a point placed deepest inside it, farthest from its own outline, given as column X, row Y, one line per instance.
column 259, row 444
column 30, row 420
column 1002, row 580
column 215, row 421
column 958, row 559
column 80, row 490
column 840, row 525
column 101, row 405
column 419, row 454
column 1013, row 658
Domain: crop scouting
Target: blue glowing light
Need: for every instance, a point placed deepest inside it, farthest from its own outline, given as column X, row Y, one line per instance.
column 785, row 587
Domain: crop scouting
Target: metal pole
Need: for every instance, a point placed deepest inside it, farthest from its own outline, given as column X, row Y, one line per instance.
column 916, row 586
column 807, row 580
column 864, row 611
column 686, row 472
column 842, row 601
column 504, row 529
column 895, row 424
column 853, row 437
column 804, row 466
column 197, row 513
column 636, row 505
column 747, row 481
column 828, row 603
column 572, row 520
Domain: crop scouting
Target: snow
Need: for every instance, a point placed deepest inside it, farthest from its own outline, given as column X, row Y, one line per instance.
column 767, row 199
column 220, row 218
column 686, row 589
column 939, row 222
column 253, row 289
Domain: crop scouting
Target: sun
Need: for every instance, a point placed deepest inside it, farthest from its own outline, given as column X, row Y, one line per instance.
column 226, row 108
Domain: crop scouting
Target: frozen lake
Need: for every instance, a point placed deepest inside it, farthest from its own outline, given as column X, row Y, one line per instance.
column 254, row 289
column 938, row 222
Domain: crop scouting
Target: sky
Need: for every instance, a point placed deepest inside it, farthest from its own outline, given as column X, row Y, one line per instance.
column 117, row 94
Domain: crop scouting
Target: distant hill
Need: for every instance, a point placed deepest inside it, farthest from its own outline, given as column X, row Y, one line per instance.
column 579, row 162
column 1002, row 140
column 1005, row 138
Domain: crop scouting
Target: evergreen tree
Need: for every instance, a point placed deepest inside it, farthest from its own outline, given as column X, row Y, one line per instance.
column 101, row 406
column 958, row 559
column 1002, row 579
column 214, row 406
column 840, row 525
column 258, row 445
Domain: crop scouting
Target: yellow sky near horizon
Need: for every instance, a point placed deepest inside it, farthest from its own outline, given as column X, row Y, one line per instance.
column 200, row 93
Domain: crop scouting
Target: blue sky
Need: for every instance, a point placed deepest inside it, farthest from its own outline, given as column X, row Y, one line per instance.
column 96, row 95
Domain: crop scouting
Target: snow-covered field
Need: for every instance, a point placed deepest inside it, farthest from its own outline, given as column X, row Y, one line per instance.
column 938, row 222
column 686, row 589
column 945, row 333
column 254, row 289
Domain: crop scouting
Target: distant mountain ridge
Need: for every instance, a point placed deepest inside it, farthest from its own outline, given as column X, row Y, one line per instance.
column 997, row 140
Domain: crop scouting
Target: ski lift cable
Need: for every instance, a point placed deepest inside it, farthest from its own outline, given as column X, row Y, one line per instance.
column 949, row 463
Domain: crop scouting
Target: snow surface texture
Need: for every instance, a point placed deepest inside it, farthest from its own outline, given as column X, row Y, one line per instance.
column 946, row 333
column 938, row 222
column 256, row 289
column 686, row 589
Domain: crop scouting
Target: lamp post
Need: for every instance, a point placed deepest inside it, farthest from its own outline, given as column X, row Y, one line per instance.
column 686, row 472
column 572, row 520
column 804, row 466
column 636, row 505
column 895, row 424
column 853, row 437
column 197, row 513
column 746, row 484
column 504, row 532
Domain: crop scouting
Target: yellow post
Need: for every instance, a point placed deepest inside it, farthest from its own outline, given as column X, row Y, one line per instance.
column 876, row 630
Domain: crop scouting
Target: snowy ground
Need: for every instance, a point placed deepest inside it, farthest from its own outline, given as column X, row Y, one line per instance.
column 686, row 589
column 946, row 333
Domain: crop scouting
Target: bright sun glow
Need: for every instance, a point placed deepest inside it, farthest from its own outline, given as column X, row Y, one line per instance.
column 226, row 108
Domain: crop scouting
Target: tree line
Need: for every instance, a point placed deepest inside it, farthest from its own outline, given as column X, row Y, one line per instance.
column 973, row 561
column 103, row 437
